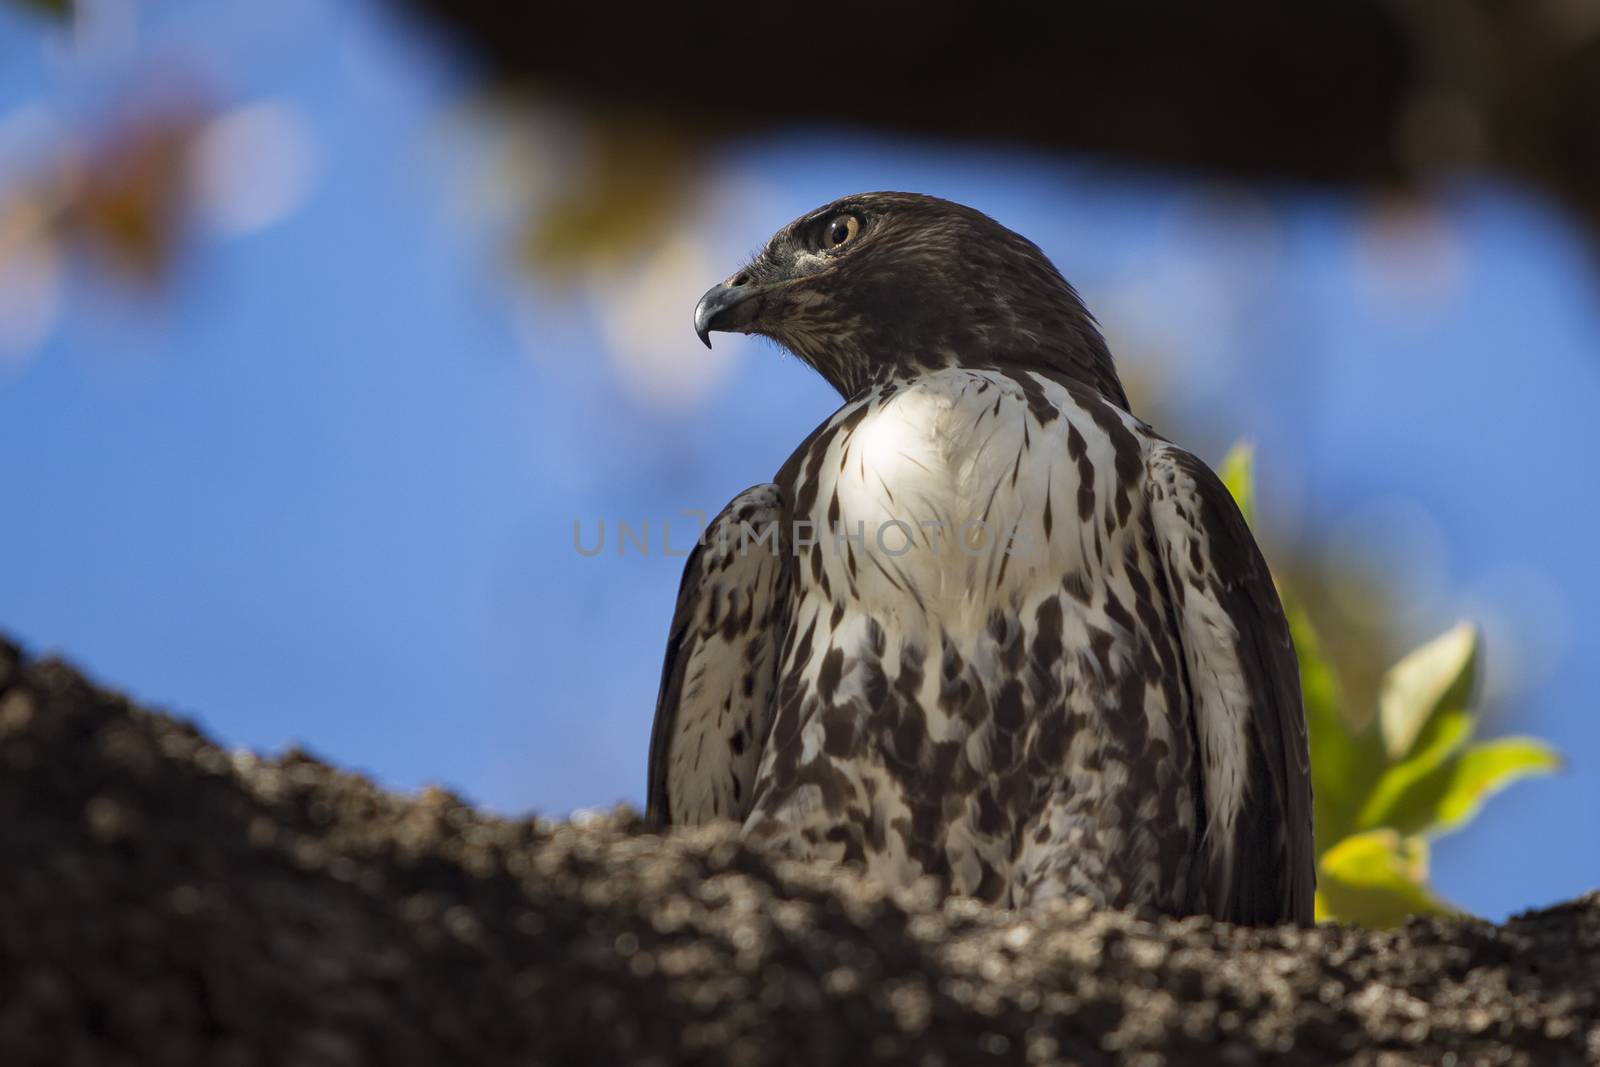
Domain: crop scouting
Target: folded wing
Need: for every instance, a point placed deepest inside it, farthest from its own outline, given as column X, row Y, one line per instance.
column 717, row 684
column 1256, row 860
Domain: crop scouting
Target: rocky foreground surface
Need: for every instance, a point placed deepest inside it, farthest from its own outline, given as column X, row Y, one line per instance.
column 165, row 901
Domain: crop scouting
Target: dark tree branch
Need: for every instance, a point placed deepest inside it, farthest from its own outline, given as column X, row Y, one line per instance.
column 164, row 901
column 1363, row 93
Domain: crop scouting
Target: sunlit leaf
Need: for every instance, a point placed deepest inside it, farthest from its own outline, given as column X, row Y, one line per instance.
column 1377, row 879
column 1237, row 471
column 1435, row 678
column 1406, row 796
column 1485, row 769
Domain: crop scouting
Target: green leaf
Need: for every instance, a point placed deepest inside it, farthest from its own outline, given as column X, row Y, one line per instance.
column 1406, row 796
column 1485, row 769
column 1377, row 879
column 1237, row 472
column 1435, row 678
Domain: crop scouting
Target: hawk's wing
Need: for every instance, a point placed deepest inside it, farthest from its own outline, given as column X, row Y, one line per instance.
column 715, row 704
column 1256, row 859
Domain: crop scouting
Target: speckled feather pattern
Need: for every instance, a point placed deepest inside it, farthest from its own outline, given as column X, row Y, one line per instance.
column 1000, row 713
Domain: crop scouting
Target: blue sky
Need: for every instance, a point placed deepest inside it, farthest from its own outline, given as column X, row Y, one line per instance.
column 322, row 488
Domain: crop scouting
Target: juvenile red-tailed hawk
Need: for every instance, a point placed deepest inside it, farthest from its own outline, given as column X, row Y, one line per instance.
column 984, row 624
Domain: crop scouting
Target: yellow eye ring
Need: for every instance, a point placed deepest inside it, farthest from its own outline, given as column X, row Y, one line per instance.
column 841, row 230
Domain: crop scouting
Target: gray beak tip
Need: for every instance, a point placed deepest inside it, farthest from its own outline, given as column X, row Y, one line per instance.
column 729, row 308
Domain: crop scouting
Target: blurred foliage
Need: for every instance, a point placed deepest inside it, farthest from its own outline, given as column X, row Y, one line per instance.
column 632, row 182
column 118, row 196
column 62, row 9
column 128, row 206
column 1387, row 783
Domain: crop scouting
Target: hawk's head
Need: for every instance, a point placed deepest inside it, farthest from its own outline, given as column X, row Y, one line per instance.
column 882, row 284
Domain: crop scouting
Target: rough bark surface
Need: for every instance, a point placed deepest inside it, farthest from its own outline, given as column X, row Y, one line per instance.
column 165, row 901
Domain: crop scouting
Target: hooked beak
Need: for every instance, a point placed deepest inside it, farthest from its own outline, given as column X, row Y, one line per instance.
column 728, row 308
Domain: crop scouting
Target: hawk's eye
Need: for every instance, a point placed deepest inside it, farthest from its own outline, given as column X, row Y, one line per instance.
column 843, row 228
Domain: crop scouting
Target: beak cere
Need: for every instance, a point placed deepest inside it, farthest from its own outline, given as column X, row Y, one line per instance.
column 727, row 308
